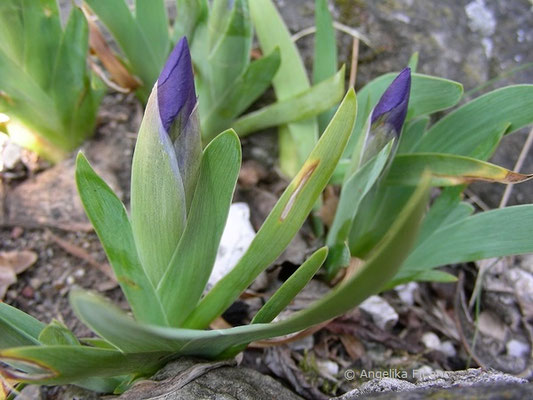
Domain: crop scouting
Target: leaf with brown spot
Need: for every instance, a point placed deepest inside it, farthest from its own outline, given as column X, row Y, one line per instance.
column 448, row 170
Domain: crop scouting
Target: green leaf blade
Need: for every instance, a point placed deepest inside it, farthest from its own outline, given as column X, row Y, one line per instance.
column 108, row 216
column 192, row 262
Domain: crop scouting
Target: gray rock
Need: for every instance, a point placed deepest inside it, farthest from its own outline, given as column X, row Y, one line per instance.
column 189, row 379
column 442, row 384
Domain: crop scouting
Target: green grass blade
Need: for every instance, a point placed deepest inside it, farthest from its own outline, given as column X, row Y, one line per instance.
column 479, row 121
column 18, row 328
column 307, row 104
column 422, row 100
column 448, row 170
column 152, row 18
column 495, row 233
column 325, row 54
column 285, row 219
column 291, row 287
column 298, row 138
column 108, row 216
column 192, row 262
column 241, row 94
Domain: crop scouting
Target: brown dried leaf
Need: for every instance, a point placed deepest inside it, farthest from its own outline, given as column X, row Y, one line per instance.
column 119, row 73
column 13, row 263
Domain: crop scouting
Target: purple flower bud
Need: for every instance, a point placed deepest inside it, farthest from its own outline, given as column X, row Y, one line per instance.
column 392, row 106
column 176, row 95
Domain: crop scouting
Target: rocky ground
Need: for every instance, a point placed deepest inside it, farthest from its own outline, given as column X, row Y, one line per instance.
column 425, row 328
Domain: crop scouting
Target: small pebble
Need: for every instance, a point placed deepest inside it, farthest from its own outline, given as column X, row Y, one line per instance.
column 27, row 292
column 516, row 348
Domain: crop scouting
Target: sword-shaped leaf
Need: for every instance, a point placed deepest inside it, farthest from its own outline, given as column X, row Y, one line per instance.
column 465, row 130
column 18, row 328
column 192, row 262
column 448, row 170
column 297, row 139
column 309, row 103
column 230, row 54
column 241, row 94
column 290, row 288
column 325, row 53
column 64, row 364
column 352, row 193
column 494, row 233
column 152, row 18
column 110, row 220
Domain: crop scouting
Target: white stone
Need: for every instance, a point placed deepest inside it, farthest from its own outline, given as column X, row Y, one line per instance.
column 481, row 19
column 431, row 341
column 406, row 292
column 237, row 236
column 516, row 348
column 383, row 315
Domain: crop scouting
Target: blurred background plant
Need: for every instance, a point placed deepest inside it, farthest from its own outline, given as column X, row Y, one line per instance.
column 48, row 97
column 220, row 34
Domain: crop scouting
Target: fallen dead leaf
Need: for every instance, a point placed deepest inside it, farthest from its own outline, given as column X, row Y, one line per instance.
column 13, row 263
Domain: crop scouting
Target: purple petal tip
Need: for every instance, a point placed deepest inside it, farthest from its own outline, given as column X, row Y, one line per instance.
column 392, row 106
column 175, row 86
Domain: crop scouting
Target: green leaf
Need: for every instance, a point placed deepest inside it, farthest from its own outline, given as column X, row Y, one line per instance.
column 76, row 100
column 56, row 333
column 230, row 55
column 481, row 120
column 108, row 216
column 422, row 100
column 353, row 192
column 192, row 262
column 297, row 139
column 241, row 94
column 285, row 219
column 325, row 54
column 413, row 62
column 158, row 206
column 291, row 287
column 307, row 104
column 412, row 134
column 495, row 233
column 448, row 170
column 64, row 364
column 190, row 14
column 18, row 328
column 151, row 16
column 446, row 209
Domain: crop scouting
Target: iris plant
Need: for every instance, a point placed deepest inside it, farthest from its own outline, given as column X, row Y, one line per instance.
column 163, row 253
